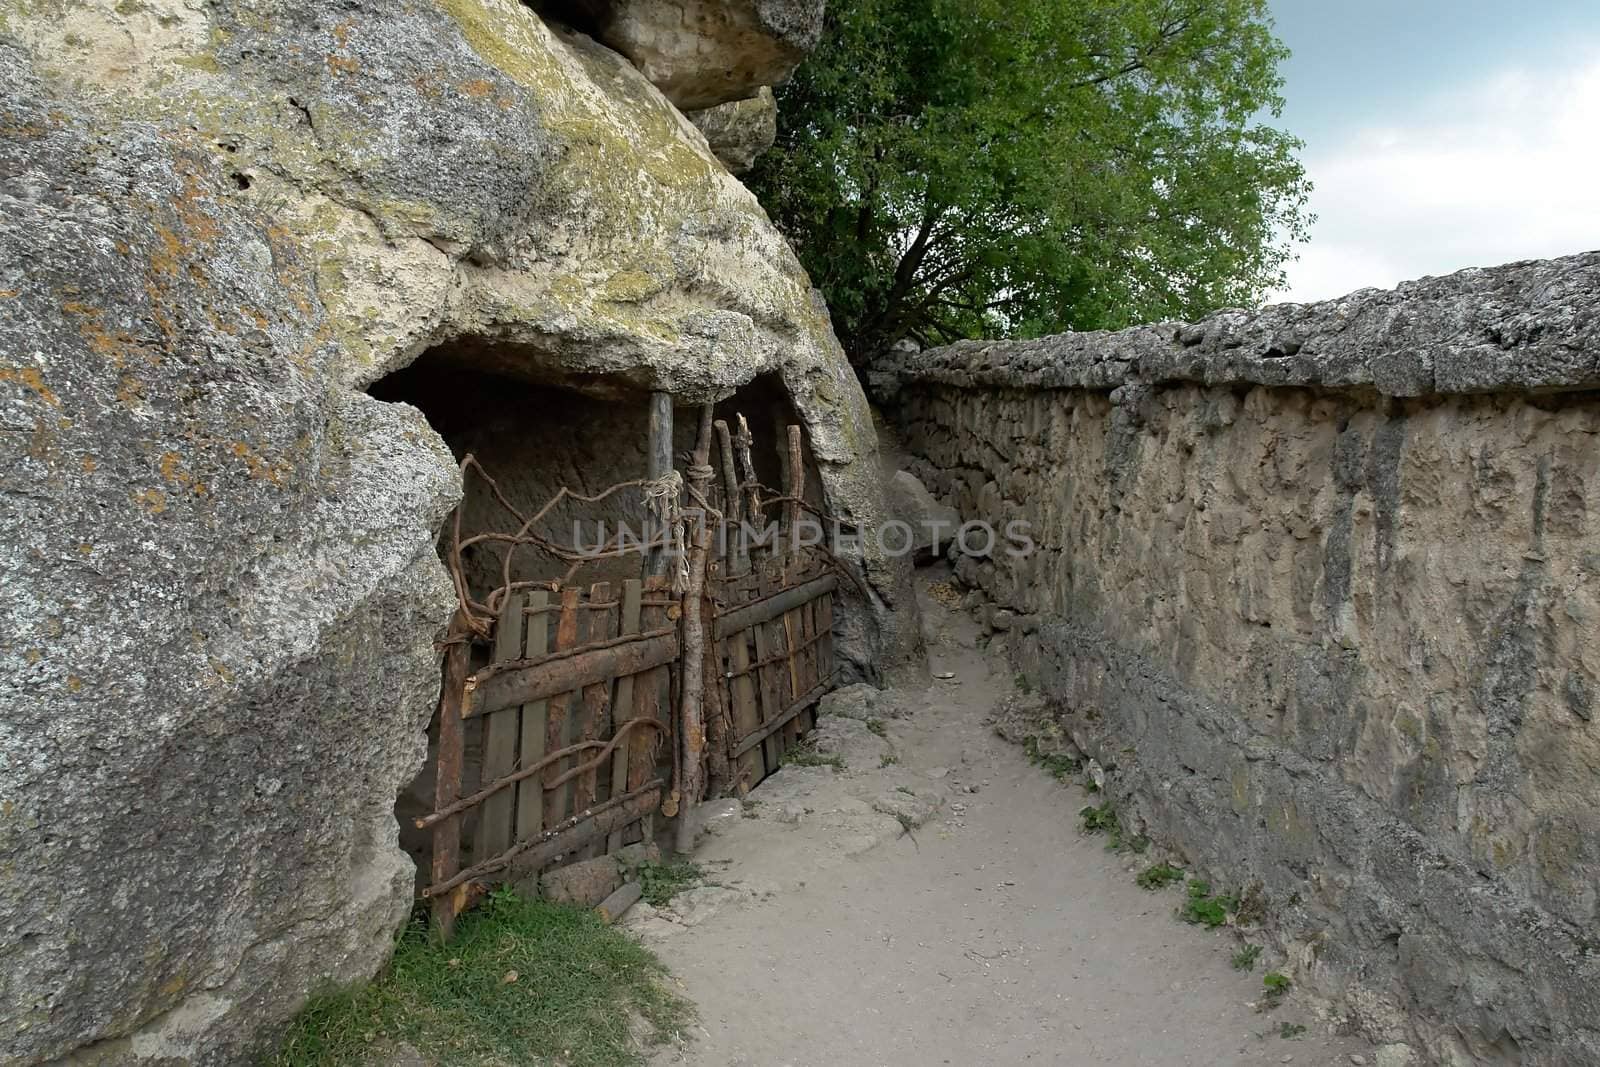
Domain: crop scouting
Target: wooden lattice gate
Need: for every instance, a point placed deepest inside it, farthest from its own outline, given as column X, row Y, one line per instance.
column 593, row 706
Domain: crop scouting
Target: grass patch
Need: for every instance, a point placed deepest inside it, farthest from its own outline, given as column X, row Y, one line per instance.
column 660, row 882
column 1061, row 768
column 888, row 759
column 1277, row 986
column 1159, row 876
column 1098, row 819
column 1245, row 958
column 1290, row 1031
column 877, row 727
column 524, row 981
column 1203, row 909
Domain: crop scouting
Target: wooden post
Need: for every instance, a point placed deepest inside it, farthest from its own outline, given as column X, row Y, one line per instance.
column 693, row 648
column 500, row 734
column 730, row 477
column 530, row 795
column 622, row 709
column 747, row 469
column 447, row 775
column 659, row 465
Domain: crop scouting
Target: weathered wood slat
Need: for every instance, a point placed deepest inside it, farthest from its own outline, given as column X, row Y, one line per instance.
column 501, row 731
column 560, row 703
column 531, row 749
column 487, row 679
column 772, row 605
column 772, row 678
column 447, row 775
column 564, row 837
column 597, row 695
column 623, row 709
column 742, row 692
column 564, row 674
column 782, row 719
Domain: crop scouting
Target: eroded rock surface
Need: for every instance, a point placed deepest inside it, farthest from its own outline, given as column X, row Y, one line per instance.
column 739, row 131
column 1315, row 587
column 701, row 53
column 217, row 575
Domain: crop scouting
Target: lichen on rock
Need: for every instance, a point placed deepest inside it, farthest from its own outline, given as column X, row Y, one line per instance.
column 218, row 579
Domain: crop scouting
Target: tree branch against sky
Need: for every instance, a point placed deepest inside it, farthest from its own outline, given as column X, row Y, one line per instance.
column 954, row 168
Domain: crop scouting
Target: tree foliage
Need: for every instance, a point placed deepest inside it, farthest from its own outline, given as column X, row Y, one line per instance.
column 955, row 168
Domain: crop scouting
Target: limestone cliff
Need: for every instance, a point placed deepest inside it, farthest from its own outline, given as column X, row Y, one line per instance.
column 218, row 583
column 1318, row 585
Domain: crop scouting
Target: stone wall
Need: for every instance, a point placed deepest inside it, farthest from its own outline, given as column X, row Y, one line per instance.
column 1319, row 587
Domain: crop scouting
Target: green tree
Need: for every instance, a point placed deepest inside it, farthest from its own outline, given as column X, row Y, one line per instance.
column 957, row 168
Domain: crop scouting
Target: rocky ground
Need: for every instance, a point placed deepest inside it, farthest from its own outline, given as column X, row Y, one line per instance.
column 936, row 902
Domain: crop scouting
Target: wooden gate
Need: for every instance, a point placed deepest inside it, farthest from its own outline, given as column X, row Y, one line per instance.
column 593, row 706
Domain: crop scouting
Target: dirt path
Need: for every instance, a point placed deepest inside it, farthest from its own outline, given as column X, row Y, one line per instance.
column 994, row 933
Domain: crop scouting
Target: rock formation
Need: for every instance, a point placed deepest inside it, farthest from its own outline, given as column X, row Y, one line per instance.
column 1316, row 587
column 221, row 223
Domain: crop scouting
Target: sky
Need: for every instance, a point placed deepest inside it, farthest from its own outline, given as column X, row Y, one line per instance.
column 1441, row 135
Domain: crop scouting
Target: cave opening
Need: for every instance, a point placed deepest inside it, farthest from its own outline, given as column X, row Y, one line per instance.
column 534, row 433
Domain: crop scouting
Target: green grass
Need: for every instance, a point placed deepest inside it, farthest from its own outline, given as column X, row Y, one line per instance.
column 660, row 882
column 1159, row 876
column 1245, row 958
column 1290, row 1031
column 877, row 727
column 1277, row 986
column 1203, row 909
column 1061, row 768
column 523, row 981
column 1098, row 819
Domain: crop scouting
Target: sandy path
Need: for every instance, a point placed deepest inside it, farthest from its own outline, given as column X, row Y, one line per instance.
column 999, row 935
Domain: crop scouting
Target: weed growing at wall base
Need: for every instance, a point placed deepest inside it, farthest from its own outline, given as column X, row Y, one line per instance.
column 523, row 981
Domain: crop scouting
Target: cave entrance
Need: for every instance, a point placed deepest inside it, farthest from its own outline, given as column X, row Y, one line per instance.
column 645, row 615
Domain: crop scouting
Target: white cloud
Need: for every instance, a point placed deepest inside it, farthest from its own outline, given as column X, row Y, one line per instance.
column 1504, row 170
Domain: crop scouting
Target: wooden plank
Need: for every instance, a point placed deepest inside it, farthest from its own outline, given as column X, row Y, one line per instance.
column 597, row 696
column 767, row 678
column 649, row 691
column 776, row 724
column 807, row 656
column 623, row 709
column 501, row 731
column 733, row 505
column 560, row 703
column 447, row 776
column 564, row 837
column 565, row 673
column 530, row 795
column 750, row 768
column 773, row 604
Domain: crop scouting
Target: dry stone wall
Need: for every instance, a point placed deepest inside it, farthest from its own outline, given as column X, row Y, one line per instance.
column 1319, row 587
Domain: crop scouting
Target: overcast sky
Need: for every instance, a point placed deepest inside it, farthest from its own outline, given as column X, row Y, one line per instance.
column 1441, row 135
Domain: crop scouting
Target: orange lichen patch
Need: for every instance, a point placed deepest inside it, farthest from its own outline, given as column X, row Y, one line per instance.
column 172, row 470
column 7, row 294
column 343, row 64
column 74, row 683
column 89, row 463
column 341, row 32
column 478, row 87
column 85, row 548
column 112, row 346
column 30, row 377
column 34, row 655
column 130, row 391
column 152, row 500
